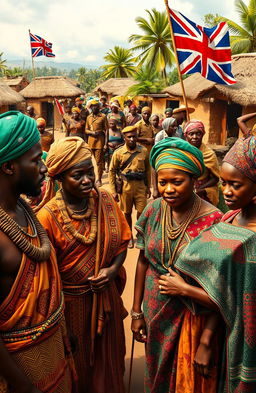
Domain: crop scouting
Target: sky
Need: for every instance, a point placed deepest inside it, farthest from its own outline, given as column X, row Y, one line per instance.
column 83, row 31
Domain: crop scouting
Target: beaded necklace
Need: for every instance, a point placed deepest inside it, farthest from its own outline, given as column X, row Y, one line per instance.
column 177, row 231
column 69, row 214
column 18, row 236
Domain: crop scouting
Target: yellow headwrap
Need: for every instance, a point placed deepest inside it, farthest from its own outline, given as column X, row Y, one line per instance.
column 145, row 108
column 41, row 121
column 63, row 155
column 75, row 109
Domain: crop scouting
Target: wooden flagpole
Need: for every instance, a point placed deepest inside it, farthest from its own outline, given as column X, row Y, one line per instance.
column 177, row 60
column 33, row 65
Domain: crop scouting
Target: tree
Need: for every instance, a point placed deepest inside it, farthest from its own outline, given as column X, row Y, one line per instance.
column 155, row 44
column 121, row 63
column 3, row 66
column 14, row 72
column 149, row 81
column 88, row 78
column 211, row 20
column 243, row 38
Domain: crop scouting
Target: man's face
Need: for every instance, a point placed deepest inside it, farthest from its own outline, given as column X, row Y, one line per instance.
column 180, row 117
column 155, row 121
column 30, row 171
column 146, row 115
column 131, row 139
column 95, row 109
column 30, row 110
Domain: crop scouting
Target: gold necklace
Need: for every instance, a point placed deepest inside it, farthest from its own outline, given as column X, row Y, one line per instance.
column 11, row 228
column 173, row 233
column 64, row 210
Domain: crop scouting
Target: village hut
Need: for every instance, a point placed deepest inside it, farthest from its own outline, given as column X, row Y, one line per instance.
column 9, row 99
column 114, row 87
column 16, row 83
column 40, row 93
column 218, row 106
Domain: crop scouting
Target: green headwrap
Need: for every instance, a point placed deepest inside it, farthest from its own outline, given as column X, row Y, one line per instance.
column 175, row 153
column 18, row 134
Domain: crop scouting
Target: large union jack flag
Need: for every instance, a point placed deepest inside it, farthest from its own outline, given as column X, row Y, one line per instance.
column 40, row 47
column 202, row 49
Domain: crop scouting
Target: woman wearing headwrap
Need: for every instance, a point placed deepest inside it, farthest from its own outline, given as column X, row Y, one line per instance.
column 171, row 328
column 47, row 137
column 207, row 184
column 76, row 125
column 222, row 260
column 117, row 114
column 133, row 117
column 71, row 221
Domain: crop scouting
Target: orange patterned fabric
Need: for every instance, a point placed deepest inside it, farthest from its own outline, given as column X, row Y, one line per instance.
column 32, row 324
column 187, row 379
column 76, row 263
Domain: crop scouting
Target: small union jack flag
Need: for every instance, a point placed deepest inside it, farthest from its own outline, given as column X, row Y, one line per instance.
column 202, row 49
column 40, row 47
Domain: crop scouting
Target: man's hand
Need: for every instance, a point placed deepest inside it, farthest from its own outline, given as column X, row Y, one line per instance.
column 116, row 197
column 202, row 361
column 172, row 284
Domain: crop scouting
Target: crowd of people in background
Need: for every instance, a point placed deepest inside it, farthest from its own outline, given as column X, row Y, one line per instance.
column 62, row 274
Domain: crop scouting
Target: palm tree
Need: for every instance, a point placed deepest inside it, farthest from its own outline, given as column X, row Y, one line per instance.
column 3, row 66
column 155, row 43
column 149, row 81
column 121, row 63
column 243, row 38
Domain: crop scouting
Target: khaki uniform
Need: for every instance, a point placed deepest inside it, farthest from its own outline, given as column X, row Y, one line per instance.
column 145, row 131
column 134, row 192
column 97, row 123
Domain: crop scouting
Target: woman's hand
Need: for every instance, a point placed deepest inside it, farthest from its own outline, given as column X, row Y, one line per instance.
column 202, row 361
column 104, row 278
column 138, row 328
column 172, row 284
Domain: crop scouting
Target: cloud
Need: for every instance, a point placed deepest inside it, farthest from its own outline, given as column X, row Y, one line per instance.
column 84, row 33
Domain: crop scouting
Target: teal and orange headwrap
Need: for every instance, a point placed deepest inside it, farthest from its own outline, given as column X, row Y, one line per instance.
column 18, row 134
column 175, row 153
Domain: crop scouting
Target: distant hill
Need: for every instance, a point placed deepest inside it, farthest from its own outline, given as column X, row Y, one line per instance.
column 62, row 66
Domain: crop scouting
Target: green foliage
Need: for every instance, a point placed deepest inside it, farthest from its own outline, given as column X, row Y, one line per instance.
column 155, row 42
column 211, row 20
column 149, row 81
column 121, row 63
column 173, row 77
column 88, row 79
column 243, row 36
column 3, row 66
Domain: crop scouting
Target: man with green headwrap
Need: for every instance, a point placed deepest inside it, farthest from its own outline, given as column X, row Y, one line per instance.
column 31, row 301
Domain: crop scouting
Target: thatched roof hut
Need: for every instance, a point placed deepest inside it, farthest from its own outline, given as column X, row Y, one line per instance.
column 17, row 83
column 243, row 92
column 115, row 87
column 51, row 86
column 8, row 96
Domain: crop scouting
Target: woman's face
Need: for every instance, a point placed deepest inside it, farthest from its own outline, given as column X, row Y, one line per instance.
column 194, row 137
column 175, row 186
column 172, row 128
column 238, row 190
column 78, row 181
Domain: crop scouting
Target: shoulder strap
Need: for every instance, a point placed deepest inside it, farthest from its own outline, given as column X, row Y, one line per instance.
column 128, row 161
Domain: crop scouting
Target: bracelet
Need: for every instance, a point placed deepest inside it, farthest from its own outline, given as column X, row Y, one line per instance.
column 136, row 315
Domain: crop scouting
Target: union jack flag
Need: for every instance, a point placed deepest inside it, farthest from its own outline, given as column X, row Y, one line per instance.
column 40, row 47
column 202, row 49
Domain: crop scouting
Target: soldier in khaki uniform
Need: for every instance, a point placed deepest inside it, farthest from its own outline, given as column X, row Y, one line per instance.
column 145, row 129
column 136, row 176
column 96, row 129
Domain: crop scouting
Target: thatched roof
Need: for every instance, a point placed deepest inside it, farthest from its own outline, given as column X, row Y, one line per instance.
column 115, row 86
column 8, row 96
column 14, row 81
column 243, row 92
column 51, row 86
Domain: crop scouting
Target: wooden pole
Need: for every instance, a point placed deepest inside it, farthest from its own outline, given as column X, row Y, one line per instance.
column 131, row 364
column 177, row 60
column 96, row 272
column 33, row 65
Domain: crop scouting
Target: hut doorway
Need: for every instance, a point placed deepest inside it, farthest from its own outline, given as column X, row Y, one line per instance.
column 47, row 113
column 172, row 104
column 233, row 112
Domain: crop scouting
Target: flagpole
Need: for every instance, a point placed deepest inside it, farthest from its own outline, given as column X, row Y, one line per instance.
column 33, row 65
column 177, row 60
